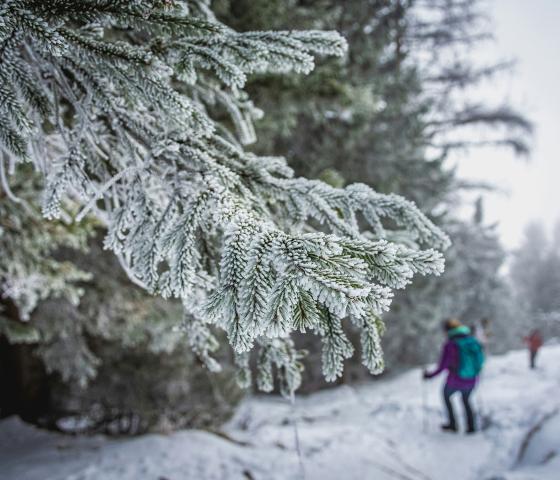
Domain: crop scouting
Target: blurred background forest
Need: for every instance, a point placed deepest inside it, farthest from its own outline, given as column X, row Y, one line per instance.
column 79, row 340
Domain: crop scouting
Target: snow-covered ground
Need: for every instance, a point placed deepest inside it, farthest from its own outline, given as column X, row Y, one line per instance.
column 383, row 430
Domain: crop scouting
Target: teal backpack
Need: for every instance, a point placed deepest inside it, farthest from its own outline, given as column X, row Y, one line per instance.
column 471, row 356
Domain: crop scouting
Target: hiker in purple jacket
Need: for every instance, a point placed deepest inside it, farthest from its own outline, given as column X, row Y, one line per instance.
column 462, row 357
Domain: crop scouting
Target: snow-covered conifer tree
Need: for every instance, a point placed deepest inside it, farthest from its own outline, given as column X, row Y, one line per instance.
column 28, row 272
column 116, row 102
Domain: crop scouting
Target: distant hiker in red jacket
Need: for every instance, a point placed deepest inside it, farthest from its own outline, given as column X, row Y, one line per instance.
column 534, row 341
column 462, row 357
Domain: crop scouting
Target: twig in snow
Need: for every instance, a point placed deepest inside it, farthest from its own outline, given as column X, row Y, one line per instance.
column 531, row 433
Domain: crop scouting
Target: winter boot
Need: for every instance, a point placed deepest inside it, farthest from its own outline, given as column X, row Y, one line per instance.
column 449, row 428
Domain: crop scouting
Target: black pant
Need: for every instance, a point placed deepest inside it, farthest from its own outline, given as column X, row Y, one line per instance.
column 532, row 357
column 465, row 395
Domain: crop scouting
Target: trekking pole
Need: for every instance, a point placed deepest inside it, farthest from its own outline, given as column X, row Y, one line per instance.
column 479, row 406
column 424, row 406
column 479, row 394
column 296, row 436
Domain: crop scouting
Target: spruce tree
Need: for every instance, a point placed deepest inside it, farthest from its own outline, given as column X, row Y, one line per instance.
column 81, row 347
column 29, row 273
column 117, row 104
column 389, row 114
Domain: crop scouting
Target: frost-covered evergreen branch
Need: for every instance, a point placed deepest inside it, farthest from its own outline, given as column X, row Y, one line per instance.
column 115, row 101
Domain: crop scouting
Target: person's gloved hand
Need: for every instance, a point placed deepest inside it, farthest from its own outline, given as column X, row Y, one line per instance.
column 425, row 375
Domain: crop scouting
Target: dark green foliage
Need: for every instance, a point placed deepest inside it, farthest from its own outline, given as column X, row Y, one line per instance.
column 117, row 362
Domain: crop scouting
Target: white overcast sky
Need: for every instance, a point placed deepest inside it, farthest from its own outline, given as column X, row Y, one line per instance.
column 528, row 30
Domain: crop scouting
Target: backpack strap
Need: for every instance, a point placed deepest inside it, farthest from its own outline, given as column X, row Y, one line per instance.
column 456, row 359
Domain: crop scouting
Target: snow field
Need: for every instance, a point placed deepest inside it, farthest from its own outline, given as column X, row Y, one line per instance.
column 383, row 430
